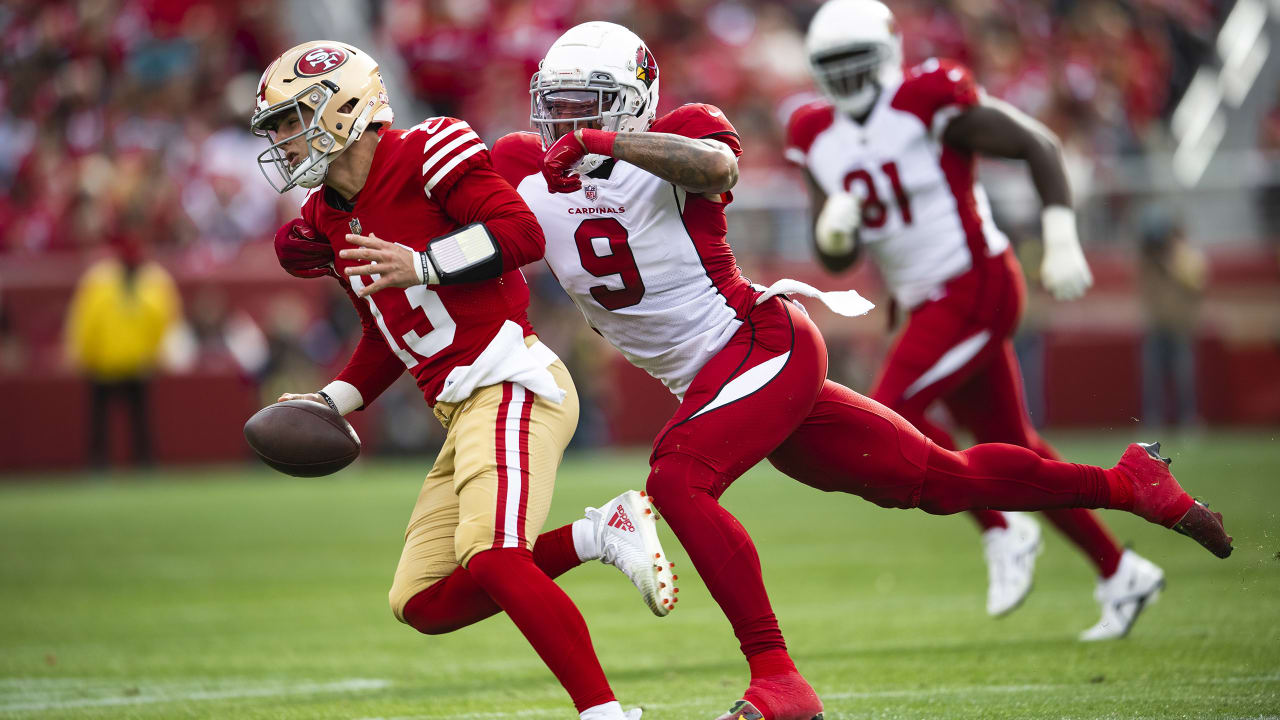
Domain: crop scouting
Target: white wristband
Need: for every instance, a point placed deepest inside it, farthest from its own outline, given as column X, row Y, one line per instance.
column 425, row 271
column 1058, row 224
column 345, row 396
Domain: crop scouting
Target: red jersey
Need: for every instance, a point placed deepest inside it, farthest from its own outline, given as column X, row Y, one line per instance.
column 424, row 182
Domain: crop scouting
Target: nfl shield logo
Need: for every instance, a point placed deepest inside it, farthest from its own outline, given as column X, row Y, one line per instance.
column 355, row 226
column 590, row 192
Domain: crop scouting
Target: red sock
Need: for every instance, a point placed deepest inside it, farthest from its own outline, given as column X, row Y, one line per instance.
column 771, row 662
column 720, row 548
column 1008, row 477
column 989, row 519
column 457, row 601
column 553, row 551
column 1082, row 528
column 548, row 619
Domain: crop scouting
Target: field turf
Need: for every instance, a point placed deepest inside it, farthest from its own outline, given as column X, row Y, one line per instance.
column 239, row 593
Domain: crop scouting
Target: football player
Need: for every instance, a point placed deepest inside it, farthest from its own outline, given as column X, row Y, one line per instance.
column 890, row 161
column 427, row 240
column 633, row 208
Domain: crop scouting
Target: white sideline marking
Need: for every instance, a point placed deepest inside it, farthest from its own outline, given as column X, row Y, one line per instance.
column 161, row 693
column 869, row 694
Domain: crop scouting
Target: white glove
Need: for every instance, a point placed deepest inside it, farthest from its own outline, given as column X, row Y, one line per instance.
column 838, row 224
column 1064, row 272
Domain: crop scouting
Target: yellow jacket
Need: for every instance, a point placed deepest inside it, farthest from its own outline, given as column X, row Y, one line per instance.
column 114, row 329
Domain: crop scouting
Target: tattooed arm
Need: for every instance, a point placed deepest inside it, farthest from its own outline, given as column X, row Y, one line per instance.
column 706, row 167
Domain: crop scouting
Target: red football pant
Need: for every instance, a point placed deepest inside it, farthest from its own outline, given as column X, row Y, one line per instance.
column 520, row 583
column 765, row 395
column 957, row 350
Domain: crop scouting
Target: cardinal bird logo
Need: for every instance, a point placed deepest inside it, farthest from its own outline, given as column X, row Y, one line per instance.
column 590, row 192
column 646, row 66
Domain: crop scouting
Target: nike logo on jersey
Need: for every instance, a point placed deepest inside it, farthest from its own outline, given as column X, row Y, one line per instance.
column 599, row 209
column 621, row 521
column 714, row 113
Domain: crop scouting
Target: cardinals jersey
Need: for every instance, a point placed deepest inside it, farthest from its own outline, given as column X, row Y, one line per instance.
column 924, row 215
column 646, row 262
column 424, row 182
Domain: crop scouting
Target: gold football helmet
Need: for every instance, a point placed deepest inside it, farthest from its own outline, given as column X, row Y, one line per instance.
column 343, row 91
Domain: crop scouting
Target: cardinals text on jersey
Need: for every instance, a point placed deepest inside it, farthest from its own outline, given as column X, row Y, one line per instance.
column 646, row 262
column 924, row 215
column 431, row 330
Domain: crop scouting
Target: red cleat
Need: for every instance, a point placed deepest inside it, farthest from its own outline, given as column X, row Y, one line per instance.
column 1159, row 498
column 777, row 697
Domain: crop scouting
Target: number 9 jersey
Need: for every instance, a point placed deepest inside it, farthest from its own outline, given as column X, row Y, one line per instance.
column 646, row 262
column 925, row 218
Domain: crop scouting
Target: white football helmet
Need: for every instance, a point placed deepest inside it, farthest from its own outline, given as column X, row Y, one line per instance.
column 597, row 74
column 855, row 50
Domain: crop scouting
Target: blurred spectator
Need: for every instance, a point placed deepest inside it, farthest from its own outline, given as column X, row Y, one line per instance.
column 1172, row 275
column 117, row 320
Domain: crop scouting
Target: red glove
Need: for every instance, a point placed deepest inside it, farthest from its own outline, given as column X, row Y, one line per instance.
column 302, row 251
column 558, row 162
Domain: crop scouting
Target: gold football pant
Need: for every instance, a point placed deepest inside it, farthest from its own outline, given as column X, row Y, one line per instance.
column 491, row 484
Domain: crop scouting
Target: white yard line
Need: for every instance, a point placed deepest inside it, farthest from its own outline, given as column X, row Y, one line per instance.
column 870, row 694
column 149, row 693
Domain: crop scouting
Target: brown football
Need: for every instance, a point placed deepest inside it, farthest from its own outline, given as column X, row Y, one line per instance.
column 302, row 438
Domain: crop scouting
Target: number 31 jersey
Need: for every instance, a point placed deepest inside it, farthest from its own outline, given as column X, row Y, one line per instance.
column 924, row 215
column 646, row 263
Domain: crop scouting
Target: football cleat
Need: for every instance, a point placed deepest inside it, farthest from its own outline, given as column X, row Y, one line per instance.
column 1011, row 562
column 1136, row 583
column 626, row 533
column 1159, row 498
column 787, row 696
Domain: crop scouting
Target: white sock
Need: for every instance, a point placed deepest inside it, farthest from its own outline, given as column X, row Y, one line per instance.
column 608, row 711
column 584, row 541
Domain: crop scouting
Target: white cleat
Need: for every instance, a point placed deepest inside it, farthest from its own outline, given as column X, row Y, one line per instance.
column 1011, row 562
column 626, row 534
column 634, row 714
column 1136, row 583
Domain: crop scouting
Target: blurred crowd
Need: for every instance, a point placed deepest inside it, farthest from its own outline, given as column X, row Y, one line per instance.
column 124, row 121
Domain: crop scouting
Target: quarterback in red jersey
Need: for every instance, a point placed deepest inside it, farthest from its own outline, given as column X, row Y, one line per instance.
column 890, row 159
column 427, row 240
column 633, row 209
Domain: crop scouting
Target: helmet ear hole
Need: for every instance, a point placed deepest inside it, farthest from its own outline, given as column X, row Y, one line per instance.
column 348, row 106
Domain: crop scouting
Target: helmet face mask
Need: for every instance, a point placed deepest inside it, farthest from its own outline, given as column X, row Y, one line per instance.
column 274, row 161
column 557, row 109
column 851, row 76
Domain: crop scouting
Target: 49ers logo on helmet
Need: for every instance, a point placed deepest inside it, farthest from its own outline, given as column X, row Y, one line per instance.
column 320, row 61
column 646, row 66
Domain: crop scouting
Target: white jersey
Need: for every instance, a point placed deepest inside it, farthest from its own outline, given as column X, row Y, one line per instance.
column 925, row 217
column 645, row 262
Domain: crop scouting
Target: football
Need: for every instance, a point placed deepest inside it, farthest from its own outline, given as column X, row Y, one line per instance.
column 302, row 438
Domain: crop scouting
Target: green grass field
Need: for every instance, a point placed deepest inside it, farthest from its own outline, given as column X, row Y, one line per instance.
column 239, row 593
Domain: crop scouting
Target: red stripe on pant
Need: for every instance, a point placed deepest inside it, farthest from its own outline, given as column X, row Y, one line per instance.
column 500, row 453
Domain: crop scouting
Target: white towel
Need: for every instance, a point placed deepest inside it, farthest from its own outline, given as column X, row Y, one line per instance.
column 506, row 359
column 844, row 302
